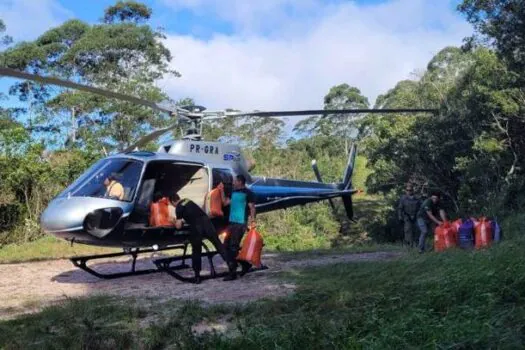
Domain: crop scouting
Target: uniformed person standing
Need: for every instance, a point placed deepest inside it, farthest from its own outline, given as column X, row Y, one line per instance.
column 407, row 210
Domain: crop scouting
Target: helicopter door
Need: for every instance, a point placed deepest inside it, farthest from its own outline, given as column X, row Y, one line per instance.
column 226, row 177
column 162, row 178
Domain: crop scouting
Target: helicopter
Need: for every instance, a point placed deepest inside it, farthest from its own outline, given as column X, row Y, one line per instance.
column 82, row 213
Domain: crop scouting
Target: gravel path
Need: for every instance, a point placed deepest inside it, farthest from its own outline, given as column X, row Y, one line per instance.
column 27, row 287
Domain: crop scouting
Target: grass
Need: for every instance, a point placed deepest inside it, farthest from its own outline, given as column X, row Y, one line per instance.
column 452, row 300
column 47, row 248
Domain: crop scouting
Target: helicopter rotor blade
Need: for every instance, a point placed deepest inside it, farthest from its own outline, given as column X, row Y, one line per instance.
column 149, row 137
column 220, row 115
column 337, row 111
column 69, row 84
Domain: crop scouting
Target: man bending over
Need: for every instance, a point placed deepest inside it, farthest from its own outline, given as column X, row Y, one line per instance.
column 201, row 227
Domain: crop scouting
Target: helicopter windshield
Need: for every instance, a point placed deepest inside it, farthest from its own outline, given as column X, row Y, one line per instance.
column 114, row 178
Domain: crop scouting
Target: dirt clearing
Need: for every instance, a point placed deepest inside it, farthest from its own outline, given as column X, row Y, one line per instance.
column 27, row 287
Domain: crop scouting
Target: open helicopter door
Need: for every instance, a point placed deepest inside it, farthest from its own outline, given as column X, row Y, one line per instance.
column 163, row 177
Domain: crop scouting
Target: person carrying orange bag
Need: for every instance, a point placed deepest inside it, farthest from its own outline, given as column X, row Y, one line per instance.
column 242, row 215
column 426, row 215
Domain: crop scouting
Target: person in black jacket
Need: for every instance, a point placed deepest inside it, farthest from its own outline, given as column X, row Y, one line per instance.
column 407, row 210
column 201, row 227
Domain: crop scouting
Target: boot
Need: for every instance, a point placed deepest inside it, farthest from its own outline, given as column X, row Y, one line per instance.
column 233, row 272
column 246, row 266
column 231, row 276
column 197, row 278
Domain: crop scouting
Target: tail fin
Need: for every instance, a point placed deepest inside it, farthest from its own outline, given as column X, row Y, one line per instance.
column 347, row 177
column 347, row 182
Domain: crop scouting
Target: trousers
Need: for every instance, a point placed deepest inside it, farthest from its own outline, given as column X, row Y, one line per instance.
column 205, row 229
column 410, row 231
column 233, row 241
column 423, row 228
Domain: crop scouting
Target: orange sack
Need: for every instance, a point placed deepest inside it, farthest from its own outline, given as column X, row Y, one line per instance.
column 213, row 202
column 444, row 237
column 160, row 213
column 252, row 248
column 456, row 225
column 439, row 245
column 483, row 233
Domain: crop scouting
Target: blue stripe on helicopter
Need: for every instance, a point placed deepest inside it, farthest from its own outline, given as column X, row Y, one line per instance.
column 280, row 191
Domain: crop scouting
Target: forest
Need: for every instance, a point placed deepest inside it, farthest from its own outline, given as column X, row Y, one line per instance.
column 472, row 150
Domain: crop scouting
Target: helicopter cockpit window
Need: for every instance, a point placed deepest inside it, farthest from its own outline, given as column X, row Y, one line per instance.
column 115, row 178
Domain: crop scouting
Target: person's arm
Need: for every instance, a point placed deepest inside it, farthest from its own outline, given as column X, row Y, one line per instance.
column 178, row 224
column 443, row 215
column 178, row 217
column 433, row 218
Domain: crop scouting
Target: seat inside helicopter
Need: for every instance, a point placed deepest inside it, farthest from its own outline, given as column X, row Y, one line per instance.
column 188, row 180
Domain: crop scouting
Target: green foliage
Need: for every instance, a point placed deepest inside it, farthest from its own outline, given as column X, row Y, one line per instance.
column 471, row 152
column 127, row 11
column 119, row 55
column 498, row 23
column 29, row 181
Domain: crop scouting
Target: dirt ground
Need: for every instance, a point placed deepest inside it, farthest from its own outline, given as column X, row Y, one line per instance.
column 27, row 287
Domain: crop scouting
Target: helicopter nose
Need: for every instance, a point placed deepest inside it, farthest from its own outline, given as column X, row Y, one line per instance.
column 69, row 214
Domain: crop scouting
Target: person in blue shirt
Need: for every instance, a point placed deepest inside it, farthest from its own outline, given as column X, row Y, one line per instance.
column 242, row 214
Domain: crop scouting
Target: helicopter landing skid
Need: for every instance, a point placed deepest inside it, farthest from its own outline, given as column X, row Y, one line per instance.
column 164, row 265
column 81, row 262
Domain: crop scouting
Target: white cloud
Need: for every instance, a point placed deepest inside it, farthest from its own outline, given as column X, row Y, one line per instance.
column 293, row 65
column 27, row 19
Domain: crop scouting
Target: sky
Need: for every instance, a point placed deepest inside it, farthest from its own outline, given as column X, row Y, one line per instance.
column 274, row 54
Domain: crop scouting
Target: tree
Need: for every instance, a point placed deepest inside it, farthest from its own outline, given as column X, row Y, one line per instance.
column 120, row 55
column 499, row 23
column 422, row 148
column 340, row 96
column 124, row 11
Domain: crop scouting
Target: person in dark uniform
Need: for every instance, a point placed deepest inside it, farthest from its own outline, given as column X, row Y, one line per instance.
column 201, row 227
column 242, row 214
column 407, row 214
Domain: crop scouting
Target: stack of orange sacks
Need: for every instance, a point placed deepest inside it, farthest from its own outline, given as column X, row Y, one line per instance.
column 446, row 235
